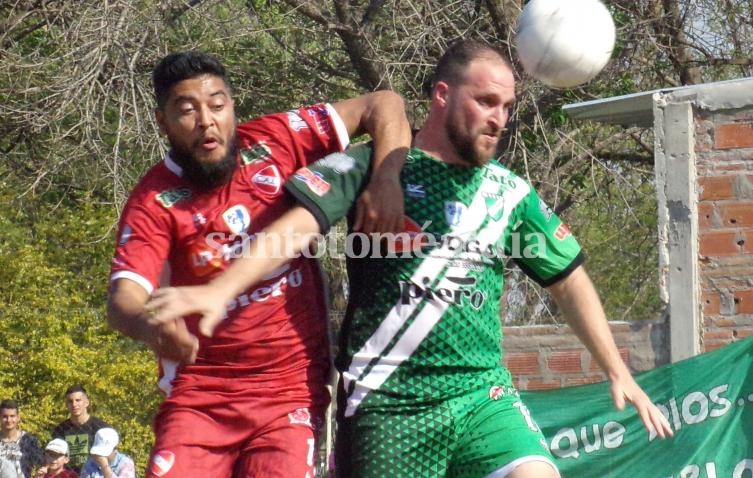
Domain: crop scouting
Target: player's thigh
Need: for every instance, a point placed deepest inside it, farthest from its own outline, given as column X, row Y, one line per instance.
column 189, row 444
column 286, row 448
column 497, row 438
column 410, row 444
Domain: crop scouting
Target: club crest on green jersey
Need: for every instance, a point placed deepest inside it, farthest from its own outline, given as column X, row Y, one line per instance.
column 495, row 205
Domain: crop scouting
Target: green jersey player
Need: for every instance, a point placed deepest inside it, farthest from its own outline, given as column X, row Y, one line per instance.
column 423, row 391
column 420, row 353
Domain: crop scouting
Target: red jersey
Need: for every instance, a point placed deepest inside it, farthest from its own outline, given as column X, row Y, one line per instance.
column 278, row 326
column 64, row 473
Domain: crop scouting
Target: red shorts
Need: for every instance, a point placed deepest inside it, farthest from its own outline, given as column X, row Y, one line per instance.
column 220, row 427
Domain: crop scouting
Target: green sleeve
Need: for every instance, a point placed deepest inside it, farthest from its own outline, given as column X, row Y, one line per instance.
column 329, row 187
column 541, row 244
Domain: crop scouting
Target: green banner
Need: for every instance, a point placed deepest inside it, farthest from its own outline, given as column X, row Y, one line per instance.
column 708, row 399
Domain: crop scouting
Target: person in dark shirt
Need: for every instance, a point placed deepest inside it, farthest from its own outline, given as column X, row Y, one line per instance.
column 78, row 430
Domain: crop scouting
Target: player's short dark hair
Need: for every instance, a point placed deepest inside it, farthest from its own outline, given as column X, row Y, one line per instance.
column 452, row 65
column 9, row 404
column 177, row 67
column 76, row 388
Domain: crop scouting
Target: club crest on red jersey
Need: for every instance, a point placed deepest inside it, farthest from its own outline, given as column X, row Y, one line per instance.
column 162, row 462
column 268, row 180
column 300, row 416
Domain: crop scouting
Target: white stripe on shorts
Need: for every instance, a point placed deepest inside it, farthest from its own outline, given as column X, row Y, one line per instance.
column 507, row 469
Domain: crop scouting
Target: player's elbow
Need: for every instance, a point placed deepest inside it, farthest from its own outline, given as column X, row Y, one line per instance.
column 389, row 100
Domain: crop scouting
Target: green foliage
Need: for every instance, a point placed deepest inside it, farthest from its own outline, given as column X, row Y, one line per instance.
column 54, row 260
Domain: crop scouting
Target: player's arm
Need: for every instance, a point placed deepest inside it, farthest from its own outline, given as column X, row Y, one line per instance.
column 289, row 234
column 382, row 115
column 580, row 303
column 126, row 313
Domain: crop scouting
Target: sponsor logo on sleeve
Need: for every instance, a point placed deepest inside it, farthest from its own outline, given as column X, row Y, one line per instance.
column 125, row 234
column 415, row 191
column 257, row 153
column 562, row 232
column 162, row 462
column 295, row 121
column 338, row 162
column 268, row 180
column 313, row 180
column 171, row 197
column 237, row 218
column 454, row 212
column 320, row 114
column 545, row 209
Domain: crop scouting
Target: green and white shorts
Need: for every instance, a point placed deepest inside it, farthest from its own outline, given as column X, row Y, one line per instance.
column 483, row 434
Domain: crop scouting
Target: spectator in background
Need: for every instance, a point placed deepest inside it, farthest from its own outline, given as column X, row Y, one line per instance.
column 8, row 469
column 55, row 458
column 79, row 429
column 105, row 461
column 20, row 448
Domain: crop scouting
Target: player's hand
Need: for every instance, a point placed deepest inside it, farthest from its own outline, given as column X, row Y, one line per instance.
column 380, row 206
column 175, row 342
column 653, row 419
column 171, row 303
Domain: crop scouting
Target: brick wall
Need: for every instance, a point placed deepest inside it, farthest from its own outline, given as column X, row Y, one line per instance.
column 551, row 356
column 541, row 357
column 724, row 161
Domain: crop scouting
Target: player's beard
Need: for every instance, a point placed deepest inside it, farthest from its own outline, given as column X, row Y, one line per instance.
column 464, row 142
column 206, row 176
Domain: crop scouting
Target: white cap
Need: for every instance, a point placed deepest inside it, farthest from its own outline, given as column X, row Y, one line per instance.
column 105, row 442
column 58, row 445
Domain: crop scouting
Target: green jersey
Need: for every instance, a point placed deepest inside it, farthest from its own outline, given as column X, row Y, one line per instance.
column 423, row 320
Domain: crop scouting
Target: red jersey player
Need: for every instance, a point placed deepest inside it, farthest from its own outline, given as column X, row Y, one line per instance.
column 247, row 401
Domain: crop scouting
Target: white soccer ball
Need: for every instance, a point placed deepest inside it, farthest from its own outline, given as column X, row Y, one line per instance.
column 564, row 43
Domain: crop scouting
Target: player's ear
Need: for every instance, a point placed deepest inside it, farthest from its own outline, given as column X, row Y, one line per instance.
column 440, row 92
column 159, row 115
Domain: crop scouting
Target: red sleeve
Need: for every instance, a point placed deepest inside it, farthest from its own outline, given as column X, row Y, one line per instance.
column 143, row 241
column 298, row 137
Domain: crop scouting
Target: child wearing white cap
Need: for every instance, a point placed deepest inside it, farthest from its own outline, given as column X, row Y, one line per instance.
column 105, row 461
column 56, row 456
